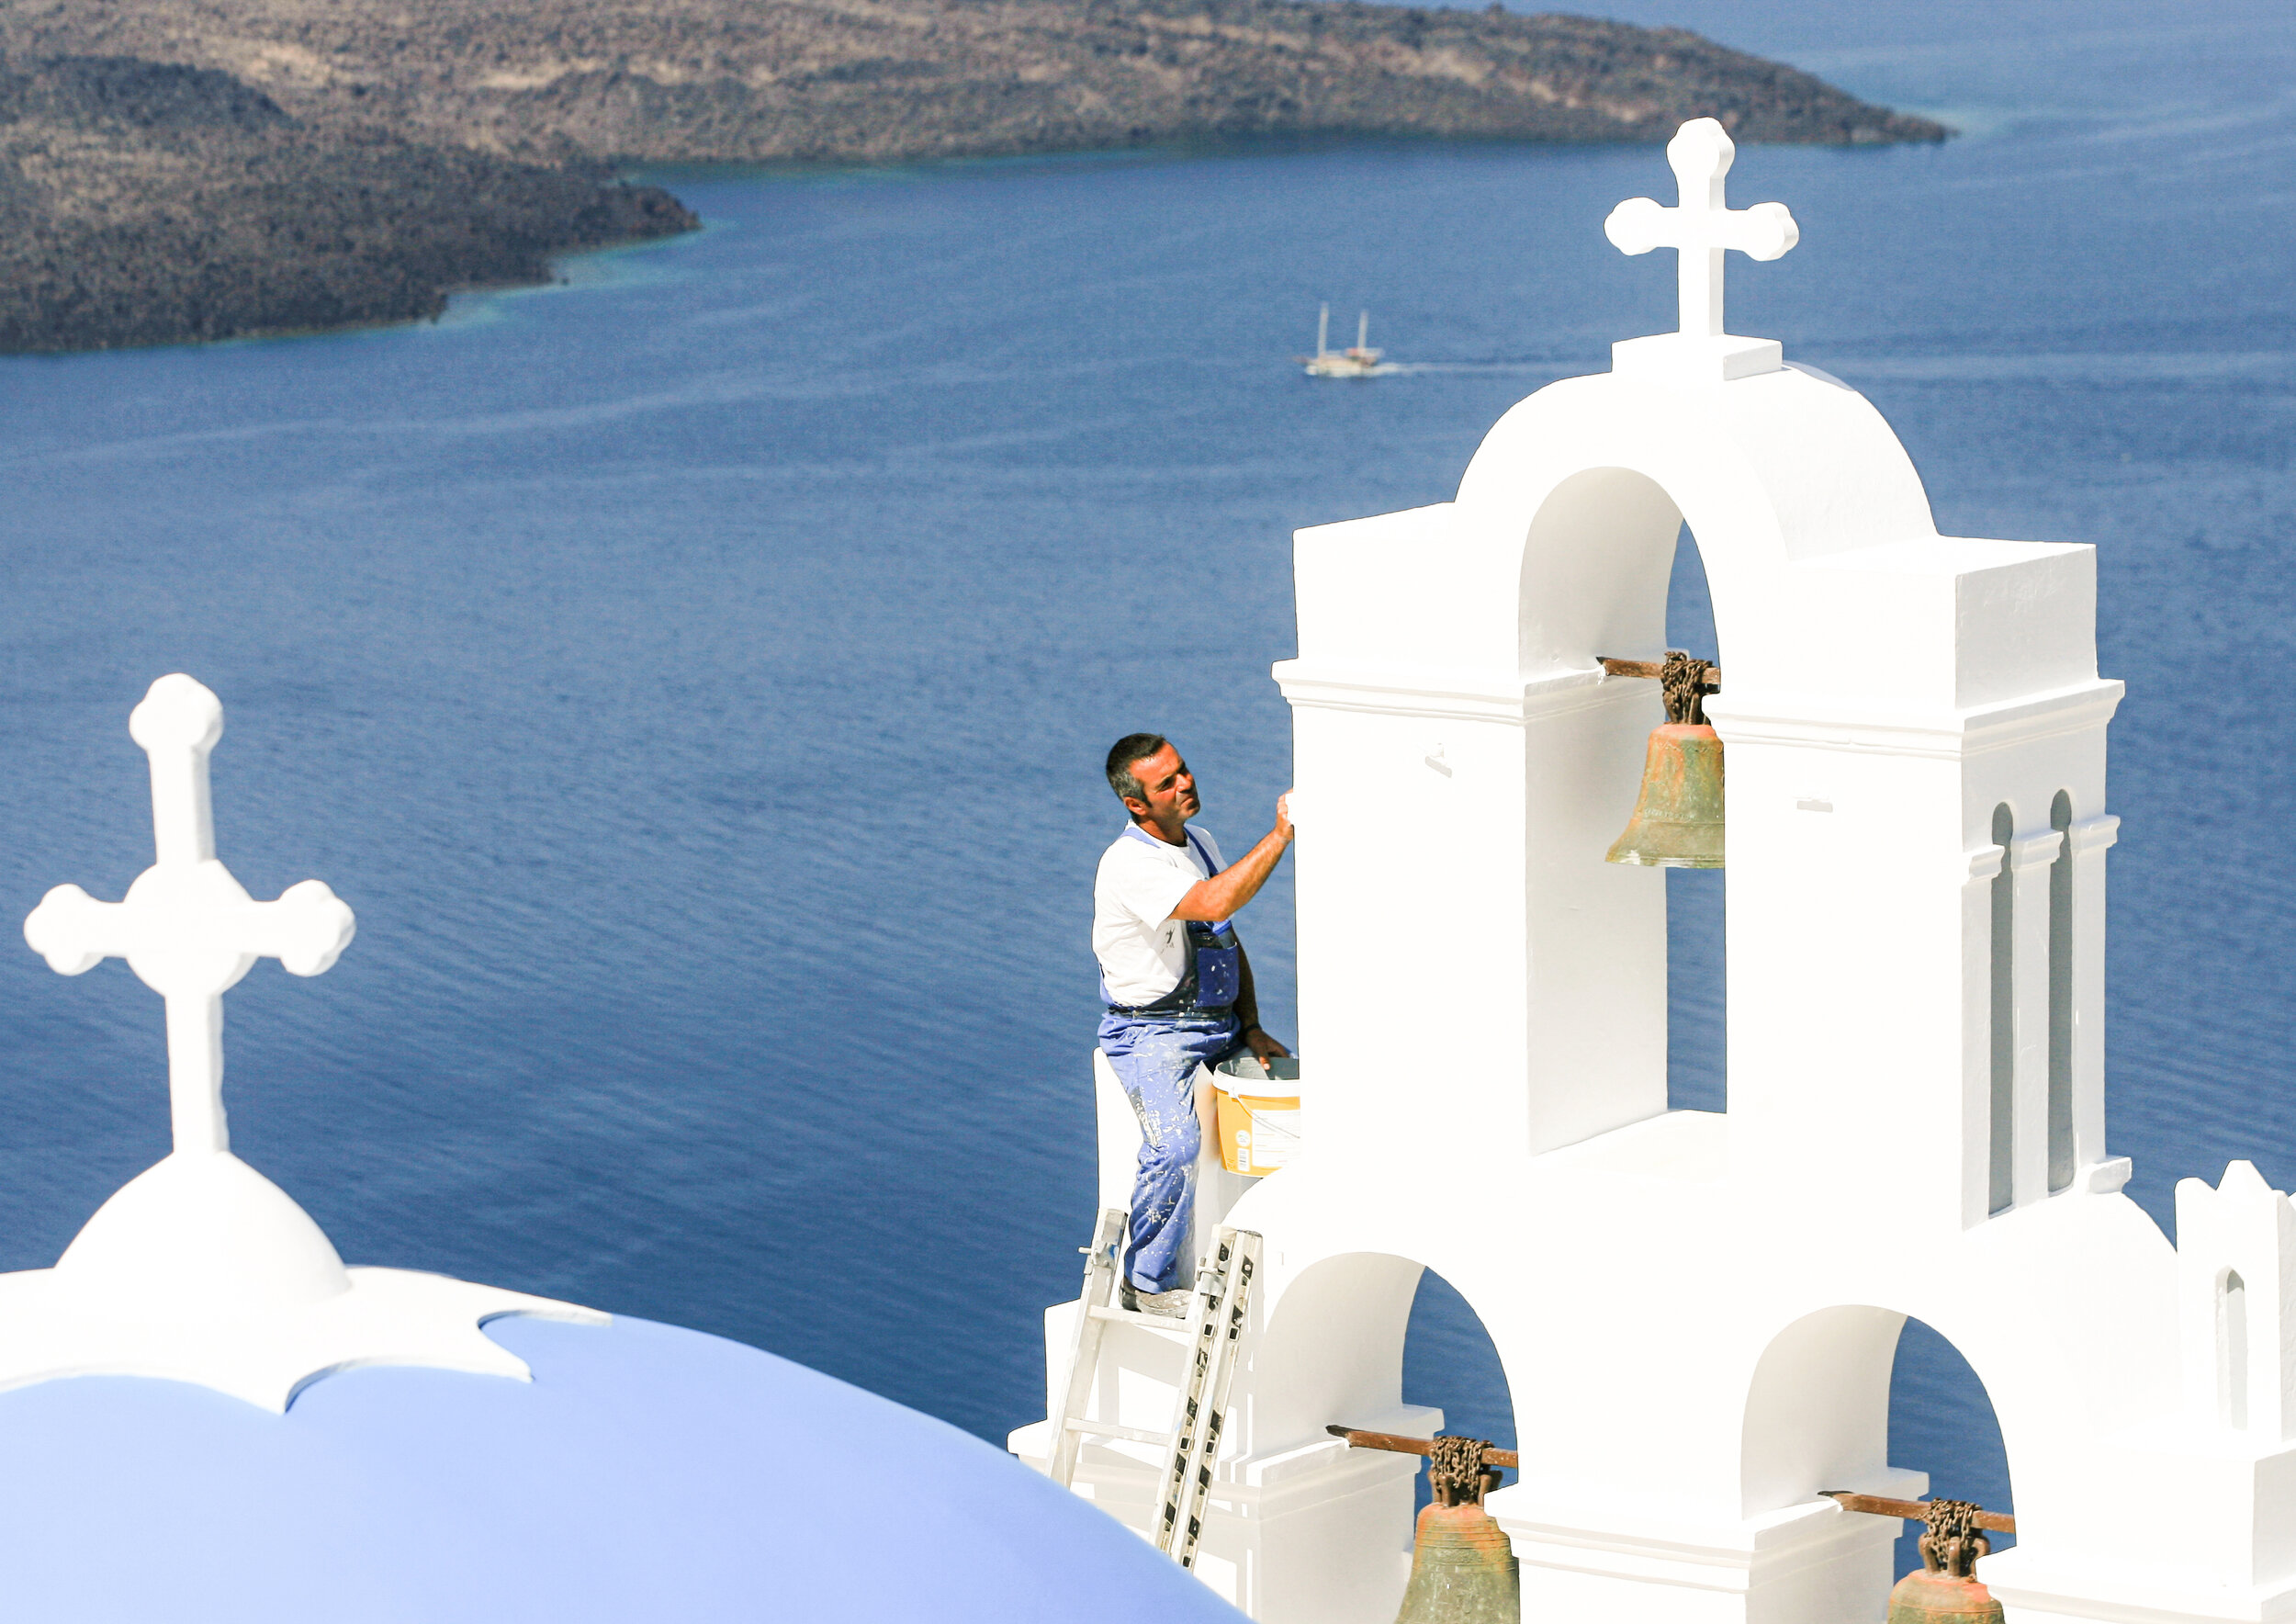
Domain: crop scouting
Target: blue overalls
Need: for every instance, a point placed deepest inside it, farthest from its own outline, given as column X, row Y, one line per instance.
column 1155, row 1050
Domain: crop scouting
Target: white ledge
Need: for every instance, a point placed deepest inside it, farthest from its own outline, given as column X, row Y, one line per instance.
column 1788, row 718
column 1431, row 691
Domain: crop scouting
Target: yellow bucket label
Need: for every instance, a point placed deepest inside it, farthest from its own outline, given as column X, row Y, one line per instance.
column 1257, row 1135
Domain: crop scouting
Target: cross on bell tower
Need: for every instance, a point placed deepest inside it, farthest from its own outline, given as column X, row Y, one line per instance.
column 1703, row 227
column 188, row 929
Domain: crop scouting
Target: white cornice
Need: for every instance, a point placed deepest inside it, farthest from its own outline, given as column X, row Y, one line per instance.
column 1762, row 719
column 1432, row 692
column 1949, row 735
column 2094, row 834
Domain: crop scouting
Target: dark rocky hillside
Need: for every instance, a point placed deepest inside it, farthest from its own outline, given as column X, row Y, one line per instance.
column 152, row 203
column 182, row 169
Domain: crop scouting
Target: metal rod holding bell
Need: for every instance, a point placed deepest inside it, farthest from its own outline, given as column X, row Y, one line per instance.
column 1396, row 1443
column 1677, row 820
column 2000, row 1522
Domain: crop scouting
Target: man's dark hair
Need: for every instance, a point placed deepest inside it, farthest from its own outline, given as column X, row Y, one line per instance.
column 1123, row 755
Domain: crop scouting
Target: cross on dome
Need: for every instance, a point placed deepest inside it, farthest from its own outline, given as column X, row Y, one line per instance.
column 1702, row 226
column 188, row 929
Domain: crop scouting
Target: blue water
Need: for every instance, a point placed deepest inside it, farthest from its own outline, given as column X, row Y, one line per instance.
column 696, row 675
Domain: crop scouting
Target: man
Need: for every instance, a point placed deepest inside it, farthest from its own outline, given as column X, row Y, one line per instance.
column 1177, row 987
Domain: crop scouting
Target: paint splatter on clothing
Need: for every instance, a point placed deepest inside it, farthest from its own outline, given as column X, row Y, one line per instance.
column 1155, row 1059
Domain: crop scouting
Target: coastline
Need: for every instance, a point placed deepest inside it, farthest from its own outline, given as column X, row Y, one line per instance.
column 168, row 177
column 147, row 203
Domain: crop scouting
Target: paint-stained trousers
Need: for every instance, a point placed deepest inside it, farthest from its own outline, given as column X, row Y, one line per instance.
column 1155, row 1059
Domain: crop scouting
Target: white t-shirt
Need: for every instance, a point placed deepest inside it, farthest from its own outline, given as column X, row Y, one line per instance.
column 1142, row 948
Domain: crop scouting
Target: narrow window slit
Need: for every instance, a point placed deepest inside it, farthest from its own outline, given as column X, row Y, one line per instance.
column 2232, row 1352
column 2001, row 1186
column 2061, row 997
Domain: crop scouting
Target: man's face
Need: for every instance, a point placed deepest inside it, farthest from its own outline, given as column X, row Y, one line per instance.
column 1170, row 788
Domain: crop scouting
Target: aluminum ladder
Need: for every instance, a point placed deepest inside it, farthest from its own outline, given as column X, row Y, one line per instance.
column 1214, row 1329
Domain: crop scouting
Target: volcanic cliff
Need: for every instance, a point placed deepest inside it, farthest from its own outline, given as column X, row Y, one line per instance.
column 178, row 169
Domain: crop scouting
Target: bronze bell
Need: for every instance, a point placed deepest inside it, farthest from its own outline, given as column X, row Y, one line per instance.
column 1678, row 821
column 1946, row 1590
column 1462, row 1565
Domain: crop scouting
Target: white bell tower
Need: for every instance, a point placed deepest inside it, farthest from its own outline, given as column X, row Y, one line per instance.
column 1697, row 1312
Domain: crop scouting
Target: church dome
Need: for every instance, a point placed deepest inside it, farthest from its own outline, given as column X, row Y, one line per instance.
column 645, row 1473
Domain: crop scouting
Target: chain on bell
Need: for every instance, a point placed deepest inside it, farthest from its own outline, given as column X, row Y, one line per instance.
column 1946, row 1589
column 1463, row 1569
column 1677, row 823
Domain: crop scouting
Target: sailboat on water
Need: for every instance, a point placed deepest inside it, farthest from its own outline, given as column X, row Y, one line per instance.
column 1362, row 361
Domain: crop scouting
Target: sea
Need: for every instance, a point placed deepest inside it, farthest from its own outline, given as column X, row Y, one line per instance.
column 695, row 673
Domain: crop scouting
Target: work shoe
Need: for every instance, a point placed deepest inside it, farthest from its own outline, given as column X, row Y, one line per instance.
column 1170, row 1304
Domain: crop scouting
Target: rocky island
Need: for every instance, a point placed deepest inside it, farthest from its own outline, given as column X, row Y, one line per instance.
column 192, row 169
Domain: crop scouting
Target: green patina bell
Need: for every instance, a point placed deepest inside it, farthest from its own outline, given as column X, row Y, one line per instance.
column 1946, row 1590
column 1678, row 821
column 1463, row 1569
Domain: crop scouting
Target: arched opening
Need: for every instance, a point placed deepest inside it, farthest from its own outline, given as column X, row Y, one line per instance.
column 1607, row 567
column 1696, row 1008
column 1451, row 1364
column 1941, row 1422
column 1359, row 1339
column 1332, row 1349
column 1842, row 1396
column 2001, row 1187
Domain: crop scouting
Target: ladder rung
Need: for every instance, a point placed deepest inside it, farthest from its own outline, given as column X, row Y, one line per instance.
column 1139, row 1435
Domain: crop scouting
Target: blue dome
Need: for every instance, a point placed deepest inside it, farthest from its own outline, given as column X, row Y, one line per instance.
column 647, row 1474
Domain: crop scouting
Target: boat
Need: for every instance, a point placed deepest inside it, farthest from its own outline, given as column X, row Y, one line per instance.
column 1361, row 361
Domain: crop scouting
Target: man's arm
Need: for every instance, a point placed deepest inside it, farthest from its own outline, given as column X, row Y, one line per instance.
column 1233, row 887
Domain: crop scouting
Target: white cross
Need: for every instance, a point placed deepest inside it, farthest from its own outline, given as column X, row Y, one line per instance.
column 1703, row 227
column 188, row 929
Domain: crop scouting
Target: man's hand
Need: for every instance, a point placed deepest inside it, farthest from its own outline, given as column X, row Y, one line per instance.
column 1264, row 1048
column 1231, row 887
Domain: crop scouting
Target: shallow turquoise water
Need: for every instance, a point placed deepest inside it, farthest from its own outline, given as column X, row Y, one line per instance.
column 696, row 675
